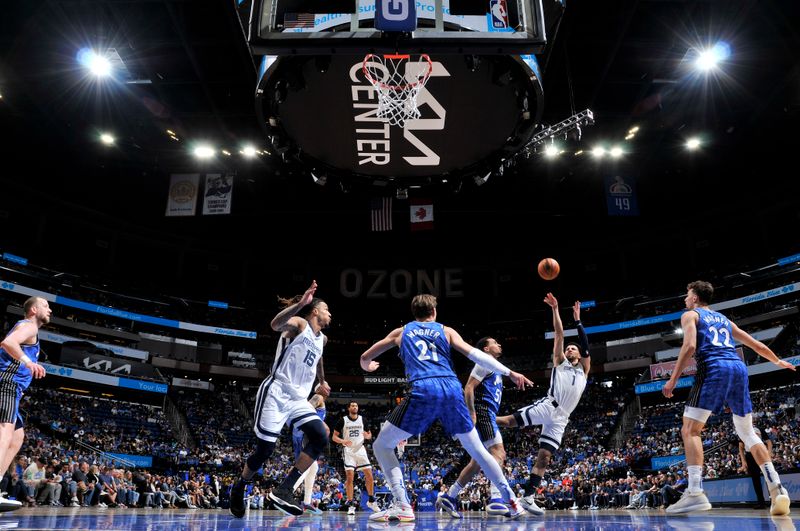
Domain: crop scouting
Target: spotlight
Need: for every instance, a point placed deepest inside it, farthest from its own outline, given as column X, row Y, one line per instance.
column 709, row 59
column 322, row 180
column 97, row 64
column 616, row 152
column 204, row 152
column 480, row 181
column 551, row 151
column 693, row 143
column 248, row 151
column 598, row 152
column 107, row 139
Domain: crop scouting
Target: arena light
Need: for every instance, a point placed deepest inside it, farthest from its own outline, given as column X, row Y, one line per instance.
column 97, row 64
column 693, row 144
column 598, row 152
column 204, row 152
column 616, row 152
column 248, row 151
column 551, row 151
column 708, row 60
column 226, row 152
column 107, row 139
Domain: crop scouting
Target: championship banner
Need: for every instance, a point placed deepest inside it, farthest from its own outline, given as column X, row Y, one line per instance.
column 218, row 194
column 664, row 370
column 182, row 199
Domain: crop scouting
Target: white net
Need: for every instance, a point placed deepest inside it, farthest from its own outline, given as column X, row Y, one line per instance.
column 398, row 80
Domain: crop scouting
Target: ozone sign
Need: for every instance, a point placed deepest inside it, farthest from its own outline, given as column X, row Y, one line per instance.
column 471, row 111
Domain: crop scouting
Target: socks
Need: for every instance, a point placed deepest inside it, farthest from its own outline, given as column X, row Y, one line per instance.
column 494, row 492
column 695, row 478
column 533, row 484
column 291, row 479
column 474, row 447
column 371, row 499
column 770, row 476
column 455, row 488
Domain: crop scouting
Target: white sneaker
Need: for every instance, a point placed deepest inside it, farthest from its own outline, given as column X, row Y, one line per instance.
column 8, row 505
column 397, row 512
column 515, row 509
column 103, row 505
column 780, row 502
column 351, row 510
column 373, row 506
column 529, row 504
column 690, row 502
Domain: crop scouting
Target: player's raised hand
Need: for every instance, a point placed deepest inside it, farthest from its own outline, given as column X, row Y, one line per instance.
column 519, row 380
column 309, row 294
column 551, row 300
column 576, row 311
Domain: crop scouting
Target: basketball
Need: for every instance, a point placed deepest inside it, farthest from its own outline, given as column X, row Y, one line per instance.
column 548, row 268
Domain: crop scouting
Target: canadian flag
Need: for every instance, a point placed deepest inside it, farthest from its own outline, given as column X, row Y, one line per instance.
column 421, row 214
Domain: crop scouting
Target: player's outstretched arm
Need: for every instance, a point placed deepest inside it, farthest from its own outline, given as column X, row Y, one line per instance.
column 760, row 348
column 483, row 359
column 392, row 340
column 558, row 330
column 586, row 359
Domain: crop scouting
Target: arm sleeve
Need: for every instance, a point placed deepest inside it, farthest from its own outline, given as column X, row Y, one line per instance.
column 479, row 373
column 584, row 340
column 488, row 362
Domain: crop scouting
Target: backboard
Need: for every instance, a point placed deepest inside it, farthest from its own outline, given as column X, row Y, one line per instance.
column 289, row 27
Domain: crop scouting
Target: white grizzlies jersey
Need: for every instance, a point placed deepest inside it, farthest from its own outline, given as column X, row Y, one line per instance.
column 295, row 367
column 566, row 385
column 353, row 431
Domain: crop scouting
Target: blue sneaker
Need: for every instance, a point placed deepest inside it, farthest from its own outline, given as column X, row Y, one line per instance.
column 496, row 507
column 310, row 509
column 448, row 504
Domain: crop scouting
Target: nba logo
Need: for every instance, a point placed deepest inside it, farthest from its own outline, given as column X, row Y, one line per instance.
column 499, row 14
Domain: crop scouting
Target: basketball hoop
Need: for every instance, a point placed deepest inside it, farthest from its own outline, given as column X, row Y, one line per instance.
column 398, row 80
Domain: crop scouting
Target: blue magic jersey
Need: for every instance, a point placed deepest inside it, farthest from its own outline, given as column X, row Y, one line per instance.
column 490, row 391
column 425, row 351
column 13, row 370
column 714, row 338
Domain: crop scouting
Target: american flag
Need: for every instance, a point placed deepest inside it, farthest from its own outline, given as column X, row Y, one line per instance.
column 298, row 20
column 381, row 211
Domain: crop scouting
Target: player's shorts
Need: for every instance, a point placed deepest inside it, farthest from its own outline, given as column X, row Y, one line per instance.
column 432, row 399
column 274, row 408
column 486, row 424
column 356, row 459
column 545, row 412
column 718, row 384
column 10, row 395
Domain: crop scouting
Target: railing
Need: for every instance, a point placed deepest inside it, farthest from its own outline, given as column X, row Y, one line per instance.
column 632, row 411
column 105, row 455
column 179, row 424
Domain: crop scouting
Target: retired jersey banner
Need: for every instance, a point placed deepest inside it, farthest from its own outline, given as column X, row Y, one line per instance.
column 182, row 200
column 218, row 194
column 621, row 196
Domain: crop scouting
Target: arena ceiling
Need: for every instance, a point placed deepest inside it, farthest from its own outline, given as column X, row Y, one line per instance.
column 187, row 70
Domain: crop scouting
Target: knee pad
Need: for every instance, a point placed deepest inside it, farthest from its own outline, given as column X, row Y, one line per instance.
column 315, row 435
column 264, row 449
column 745, row 431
